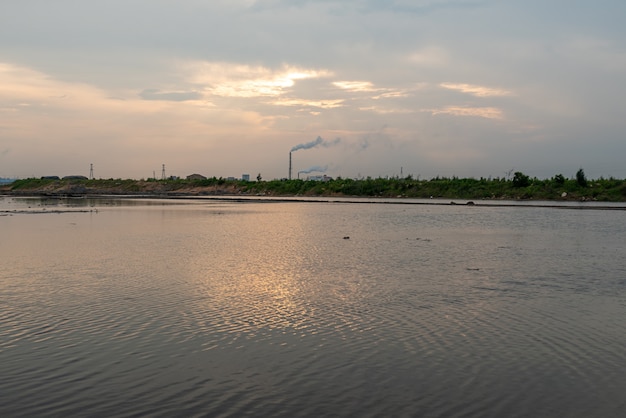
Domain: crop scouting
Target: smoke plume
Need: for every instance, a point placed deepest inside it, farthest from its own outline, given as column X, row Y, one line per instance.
column 314, row 169
column 318, row 142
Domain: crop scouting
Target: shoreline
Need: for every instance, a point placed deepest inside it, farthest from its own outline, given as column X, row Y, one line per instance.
column 239, row 198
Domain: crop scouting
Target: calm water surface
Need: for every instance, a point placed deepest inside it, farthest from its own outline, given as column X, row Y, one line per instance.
column 216, row 308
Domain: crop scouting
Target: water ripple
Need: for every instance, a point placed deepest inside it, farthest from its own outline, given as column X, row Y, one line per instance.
column 267, row 311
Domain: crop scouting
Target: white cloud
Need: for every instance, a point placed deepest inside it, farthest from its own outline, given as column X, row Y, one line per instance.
column 322, row 104
column 355, row 85
column 237, row 80
column 392, row 94
column 368, row 87
column 482, row 112
column 475, row 90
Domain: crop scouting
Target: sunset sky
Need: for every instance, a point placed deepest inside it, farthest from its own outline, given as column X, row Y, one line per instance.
column 468, row 88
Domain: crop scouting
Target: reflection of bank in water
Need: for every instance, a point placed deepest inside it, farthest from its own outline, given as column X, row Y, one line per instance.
column 44, row 210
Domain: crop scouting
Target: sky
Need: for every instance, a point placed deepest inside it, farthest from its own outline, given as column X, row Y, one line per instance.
column 352, row 88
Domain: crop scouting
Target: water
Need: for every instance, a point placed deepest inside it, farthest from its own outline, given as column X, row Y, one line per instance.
column 215, row 308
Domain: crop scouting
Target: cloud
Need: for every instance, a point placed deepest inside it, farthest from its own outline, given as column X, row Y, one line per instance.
column 240, row 80
column 174, row 96
column 431, row 56
column 600, row 53
column 226, row 84
column 474, row 90
column 384, row 110
column 355, row 85
column 482, row 112
column 420, row 6
column 365, row 6
column 368, row 87
column 391, row 94
column 20, row 85
column 38, row 102
column 322, row 104
column 55, row 124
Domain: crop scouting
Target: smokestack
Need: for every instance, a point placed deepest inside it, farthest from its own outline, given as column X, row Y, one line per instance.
column 289, row 165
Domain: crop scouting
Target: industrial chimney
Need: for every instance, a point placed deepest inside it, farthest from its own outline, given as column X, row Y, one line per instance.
column 289, row 165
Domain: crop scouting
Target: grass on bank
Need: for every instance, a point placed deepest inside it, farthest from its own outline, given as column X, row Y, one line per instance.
column 520, row 186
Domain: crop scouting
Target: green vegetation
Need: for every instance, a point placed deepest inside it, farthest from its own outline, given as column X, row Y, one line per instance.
column 581, row 179
column 520, row 186
column 521, row 180
column 27, row 184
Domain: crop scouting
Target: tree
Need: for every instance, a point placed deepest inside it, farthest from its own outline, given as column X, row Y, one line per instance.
column 559, row 179
column 520, row 180
column 258, row 177
column 580, row 178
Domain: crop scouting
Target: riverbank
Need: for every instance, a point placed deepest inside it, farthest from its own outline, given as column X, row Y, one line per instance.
column 602, row 190
column 116, row 187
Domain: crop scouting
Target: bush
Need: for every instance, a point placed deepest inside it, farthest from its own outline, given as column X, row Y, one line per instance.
column 520, row 180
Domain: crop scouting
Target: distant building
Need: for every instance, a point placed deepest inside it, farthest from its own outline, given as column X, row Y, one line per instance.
column 245, row 177
column 319, row 178
column 196, row 177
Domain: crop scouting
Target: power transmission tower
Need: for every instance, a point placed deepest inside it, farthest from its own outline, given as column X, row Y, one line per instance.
column 91, row 171
column 163, row 173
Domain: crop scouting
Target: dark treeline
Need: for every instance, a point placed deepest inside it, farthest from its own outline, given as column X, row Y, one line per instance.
column 519, row 186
